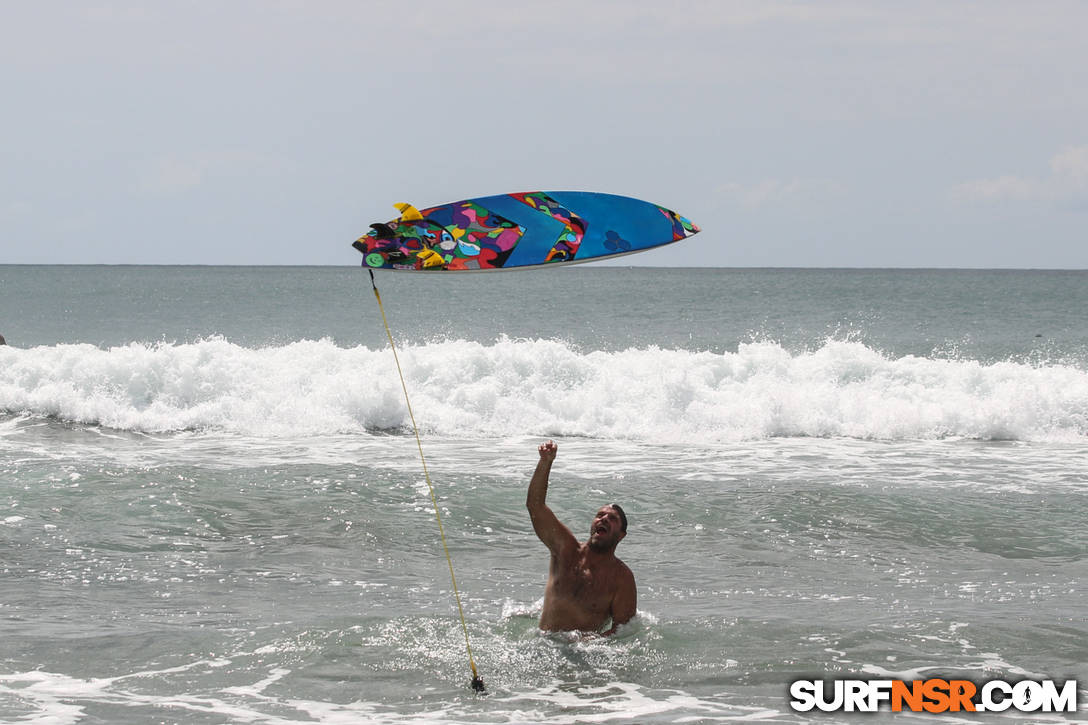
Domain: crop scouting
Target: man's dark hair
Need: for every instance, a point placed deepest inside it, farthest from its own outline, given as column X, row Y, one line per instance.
column 623, row 516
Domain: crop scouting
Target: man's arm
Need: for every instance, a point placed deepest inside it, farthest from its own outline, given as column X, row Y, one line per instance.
column 625, row 603
column 548, row 528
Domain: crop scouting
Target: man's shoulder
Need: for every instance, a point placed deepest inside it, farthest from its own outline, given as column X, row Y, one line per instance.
column 569, row 551
column 622, row 569
column 626, row 569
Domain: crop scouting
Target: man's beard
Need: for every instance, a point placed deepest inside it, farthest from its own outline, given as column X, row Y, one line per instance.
column 600, row 545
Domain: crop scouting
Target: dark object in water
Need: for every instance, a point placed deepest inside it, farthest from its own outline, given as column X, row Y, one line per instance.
column 478, row 685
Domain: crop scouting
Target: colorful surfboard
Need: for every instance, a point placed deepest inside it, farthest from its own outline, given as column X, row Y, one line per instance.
column 526, row 229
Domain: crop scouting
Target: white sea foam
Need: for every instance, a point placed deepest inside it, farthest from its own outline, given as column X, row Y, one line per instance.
column 546, row 387
column 57, row 699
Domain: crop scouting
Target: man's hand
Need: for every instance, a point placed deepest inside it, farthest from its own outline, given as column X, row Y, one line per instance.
column 555, row 535
column 548, row 451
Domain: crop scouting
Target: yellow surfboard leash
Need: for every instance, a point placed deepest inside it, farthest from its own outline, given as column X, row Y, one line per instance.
column 477, row 683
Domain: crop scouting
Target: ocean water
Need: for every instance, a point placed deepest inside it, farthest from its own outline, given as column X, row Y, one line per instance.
column 212, row 508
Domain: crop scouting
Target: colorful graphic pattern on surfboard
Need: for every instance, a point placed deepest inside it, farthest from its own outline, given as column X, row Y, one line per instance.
column 527, row 229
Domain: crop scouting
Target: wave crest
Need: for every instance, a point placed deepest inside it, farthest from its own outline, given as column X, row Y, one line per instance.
column 545, row 387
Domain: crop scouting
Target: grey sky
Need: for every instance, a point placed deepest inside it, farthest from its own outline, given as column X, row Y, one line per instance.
column 921, row 134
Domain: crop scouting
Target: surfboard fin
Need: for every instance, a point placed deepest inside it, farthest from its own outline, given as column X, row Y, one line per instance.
column 383, row 231
column 408, row 212
column 429, row 258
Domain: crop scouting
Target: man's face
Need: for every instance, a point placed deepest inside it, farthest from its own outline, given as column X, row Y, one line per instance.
column 606, row 530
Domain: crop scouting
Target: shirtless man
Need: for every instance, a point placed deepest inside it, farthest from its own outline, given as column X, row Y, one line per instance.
column 587, row 584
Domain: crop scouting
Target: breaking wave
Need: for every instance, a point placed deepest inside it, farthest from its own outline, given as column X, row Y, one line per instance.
column 545, row 387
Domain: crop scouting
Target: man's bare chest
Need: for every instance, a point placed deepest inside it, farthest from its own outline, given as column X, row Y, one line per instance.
column 584, row 582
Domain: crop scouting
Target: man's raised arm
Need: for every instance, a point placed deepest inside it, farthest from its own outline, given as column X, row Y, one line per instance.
column 548, row 528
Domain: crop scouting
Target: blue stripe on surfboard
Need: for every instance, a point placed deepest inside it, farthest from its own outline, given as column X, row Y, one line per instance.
column 640, row 223
column 541, row 228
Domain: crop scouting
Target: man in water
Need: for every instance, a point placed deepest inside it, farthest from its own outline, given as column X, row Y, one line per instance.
column 587, row 584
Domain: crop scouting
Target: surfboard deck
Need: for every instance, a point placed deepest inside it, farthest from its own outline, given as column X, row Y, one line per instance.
column 525, row 229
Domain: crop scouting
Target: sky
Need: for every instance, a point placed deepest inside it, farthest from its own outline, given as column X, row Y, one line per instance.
column 796, row 134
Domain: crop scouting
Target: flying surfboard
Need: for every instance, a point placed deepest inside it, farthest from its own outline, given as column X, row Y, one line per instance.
column 527, row 229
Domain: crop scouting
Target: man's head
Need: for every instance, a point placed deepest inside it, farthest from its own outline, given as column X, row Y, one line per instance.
column 608, row 528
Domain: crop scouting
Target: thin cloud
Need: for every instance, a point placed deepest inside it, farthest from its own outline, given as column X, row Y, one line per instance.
column 180, row 173
column 1072, row 164
column 1067, row 183
column 15, row 210
column 774, row 192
